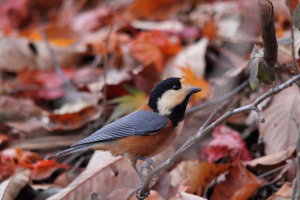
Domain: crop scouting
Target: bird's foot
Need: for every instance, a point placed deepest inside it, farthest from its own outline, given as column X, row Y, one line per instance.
column 149, row 165
column 140, row 195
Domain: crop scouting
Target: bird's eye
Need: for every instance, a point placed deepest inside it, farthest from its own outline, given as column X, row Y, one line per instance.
column 175, row 87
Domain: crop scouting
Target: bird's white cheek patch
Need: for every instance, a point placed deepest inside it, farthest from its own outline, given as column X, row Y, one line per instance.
column 169, row 100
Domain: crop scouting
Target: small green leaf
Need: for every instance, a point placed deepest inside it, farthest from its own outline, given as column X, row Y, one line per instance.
column 265, row 73
column 127, row 103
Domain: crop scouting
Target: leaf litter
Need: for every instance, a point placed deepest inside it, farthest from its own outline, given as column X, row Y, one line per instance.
column 208, row 44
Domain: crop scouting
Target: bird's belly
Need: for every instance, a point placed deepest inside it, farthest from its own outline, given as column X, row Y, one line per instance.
column 146, row 146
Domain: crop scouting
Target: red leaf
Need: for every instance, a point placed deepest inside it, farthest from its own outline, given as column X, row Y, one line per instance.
column 226, row 142
column 240, row 184
column 7, row 167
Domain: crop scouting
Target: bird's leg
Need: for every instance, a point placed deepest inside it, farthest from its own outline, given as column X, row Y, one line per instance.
column 138, row 172
column 150, row 165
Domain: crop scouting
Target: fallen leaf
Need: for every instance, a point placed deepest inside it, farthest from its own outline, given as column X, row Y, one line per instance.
column 3, row 138
column 189, row 75
column 127, row 103
column 240, row 184
column 169, row 25
column 281, row 121
column 12, row 14
column 57, row 35
column 210, row 29
column 14, row 109
column 34, row 55
column 226, row 142
column 10, row 188
column 7, row 167
column 193, row 56
column 144, row 50
column 44, row 169
column 187, row 196
column 122, row 193
column 113, row 77
column 285, row 41
column 284, row 193
column 92, row 19
column 39, row 84
column 71, row 121
column 152, row 10
column 272, row 159
column 198, row 174
column 107, row 174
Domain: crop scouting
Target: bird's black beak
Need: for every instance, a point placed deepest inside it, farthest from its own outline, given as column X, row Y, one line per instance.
column 194, row 90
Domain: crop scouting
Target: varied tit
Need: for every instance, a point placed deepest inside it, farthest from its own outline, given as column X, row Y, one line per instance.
column 145, row 132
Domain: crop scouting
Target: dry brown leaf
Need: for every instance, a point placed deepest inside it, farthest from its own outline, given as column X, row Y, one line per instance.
column 47, row 142
column 152, row 10
column 272, row 159
column 34, row 55
column 240, row 184
column 14, row 109
column 7, row 166
column 107, row 174
column 284, row 193
column 122, row 193
column 71, row 121
column 198, row 174
column 92, row 19
column 187, row 196
column 194, row 81
column 193, row 56
column 279, row 132
column 61, row 36
column 10, row 188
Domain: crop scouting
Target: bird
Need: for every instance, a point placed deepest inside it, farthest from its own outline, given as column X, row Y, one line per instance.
column 146, row 132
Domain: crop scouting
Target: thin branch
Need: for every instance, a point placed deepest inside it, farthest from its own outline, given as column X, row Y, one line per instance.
column 293, row 44
column 262, row 120
column 271, row 172
column 105, row 71
column 55, row 63
column 216, row 101
column 95, row 63
column 200, row 134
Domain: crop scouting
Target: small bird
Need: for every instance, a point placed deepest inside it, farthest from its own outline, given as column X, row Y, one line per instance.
column 145, row 132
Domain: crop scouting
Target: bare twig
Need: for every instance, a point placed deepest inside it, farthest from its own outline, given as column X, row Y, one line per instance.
column 95, row 63
column 200, row 134
column 293, row 44
column 271, row 172
column 56, row 65
column 262, row 120
column 105, row 71
column 216, row 101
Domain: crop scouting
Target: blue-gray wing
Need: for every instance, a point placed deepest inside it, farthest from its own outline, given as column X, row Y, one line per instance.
column 138, row 123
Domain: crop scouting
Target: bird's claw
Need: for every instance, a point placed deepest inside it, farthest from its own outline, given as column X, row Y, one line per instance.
column 140, row 195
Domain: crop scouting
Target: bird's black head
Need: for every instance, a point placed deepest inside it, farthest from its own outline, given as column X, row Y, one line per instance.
column 170, row 98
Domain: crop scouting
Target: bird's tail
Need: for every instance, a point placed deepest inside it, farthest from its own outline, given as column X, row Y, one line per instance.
column 71, row 150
